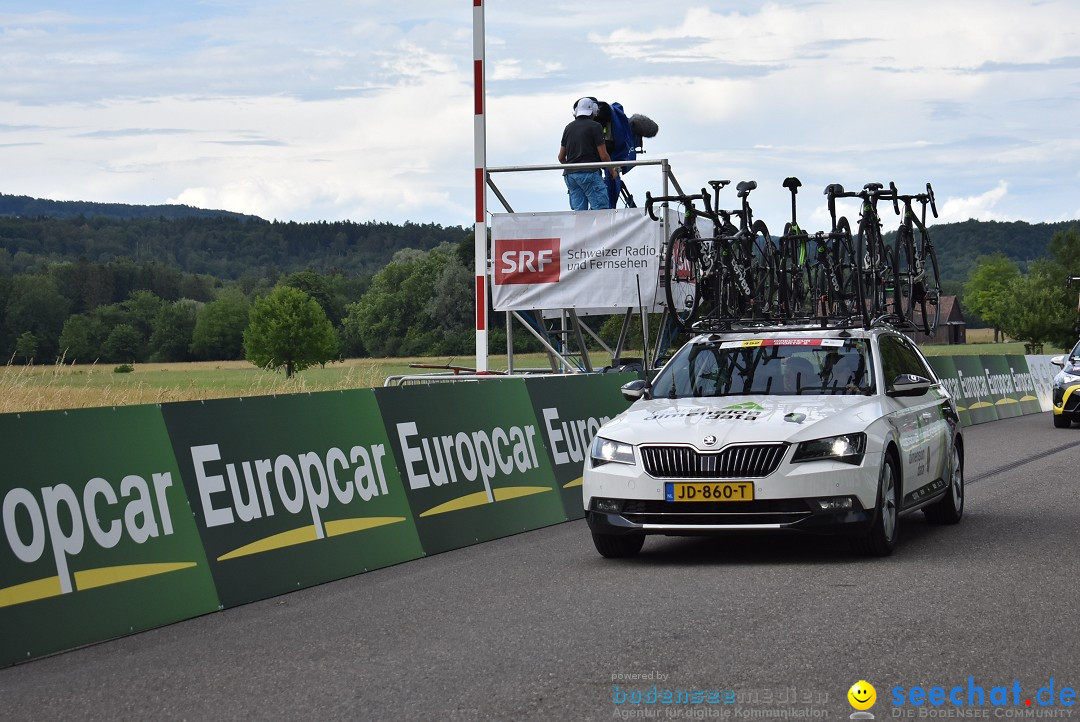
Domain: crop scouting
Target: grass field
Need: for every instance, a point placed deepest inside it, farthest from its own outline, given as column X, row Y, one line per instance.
column 38, row 388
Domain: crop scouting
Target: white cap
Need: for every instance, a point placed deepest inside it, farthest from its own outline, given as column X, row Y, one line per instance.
column 585, row 106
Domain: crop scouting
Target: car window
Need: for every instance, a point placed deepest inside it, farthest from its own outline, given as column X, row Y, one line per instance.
column 899, row 357
column 786, row 367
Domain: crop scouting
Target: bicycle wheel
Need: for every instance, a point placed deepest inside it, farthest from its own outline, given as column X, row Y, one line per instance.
column 929, row 290
column 793, row 275
column 682, row 271
column 871, row 254
column 849, row 300
column 763, row 263
column 905, row 274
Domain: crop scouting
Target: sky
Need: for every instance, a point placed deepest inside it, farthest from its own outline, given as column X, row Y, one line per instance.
column 359, row 110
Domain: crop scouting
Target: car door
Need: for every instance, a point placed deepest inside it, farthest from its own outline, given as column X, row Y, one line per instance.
column 919, row 421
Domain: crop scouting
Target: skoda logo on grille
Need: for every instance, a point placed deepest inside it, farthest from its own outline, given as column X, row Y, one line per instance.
column 710, row 440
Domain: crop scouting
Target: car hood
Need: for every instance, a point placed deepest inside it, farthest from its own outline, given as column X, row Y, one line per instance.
column 742, row 419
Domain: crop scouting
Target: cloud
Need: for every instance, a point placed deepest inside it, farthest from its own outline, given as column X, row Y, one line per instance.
column 981, row 206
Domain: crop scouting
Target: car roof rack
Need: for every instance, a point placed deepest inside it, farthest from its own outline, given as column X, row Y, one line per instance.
column 831, row 323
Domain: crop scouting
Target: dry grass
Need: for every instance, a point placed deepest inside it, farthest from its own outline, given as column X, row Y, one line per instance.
column 73, row 386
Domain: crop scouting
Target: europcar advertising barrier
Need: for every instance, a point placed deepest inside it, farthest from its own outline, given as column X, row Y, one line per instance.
column 570, row 410
column 472, row 461
column 98, row 540
column 291, row 491
column 118, row 520
column 988, row 388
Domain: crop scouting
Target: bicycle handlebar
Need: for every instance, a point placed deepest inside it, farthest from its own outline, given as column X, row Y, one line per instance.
column 650, row 199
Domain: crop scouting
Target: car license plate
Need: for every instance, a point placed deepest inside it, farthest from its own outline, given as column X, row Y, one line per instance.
column 708, row 491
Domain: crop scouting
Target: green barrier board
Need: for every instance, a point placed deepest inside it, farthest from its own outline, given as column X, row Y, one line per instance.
column 975, row 391
column 570, row 410
column 473, row 461
column 98, row 540
column 291, row 491
column 946, row 371
column 1023, row 384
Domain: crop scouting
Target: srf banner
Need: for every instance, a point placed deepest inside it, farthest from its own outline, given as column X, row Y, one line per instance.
column 97, row 537
column 291, row 491
column 594, row 260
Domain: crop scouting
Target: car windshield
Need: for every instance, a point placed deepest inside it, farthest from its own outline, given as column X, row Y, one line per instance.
column 776, row 366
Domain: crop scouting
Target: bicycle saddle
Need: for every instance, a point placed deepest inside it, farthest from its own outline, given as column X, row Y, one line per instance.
column 873, row 187
column 834, row 189
column 792, row 183
column 745, row 187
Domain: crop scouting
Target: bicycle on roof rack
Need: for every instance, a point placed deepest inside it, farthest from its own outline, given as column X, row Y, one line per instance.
column 875, row 260
column 917, row 277
column 796, row 293
column 728, row 276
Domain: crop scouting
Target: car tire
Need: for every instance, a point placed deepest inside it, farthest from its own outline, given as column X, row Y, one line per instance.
column 1061, row 421
column 880, row 539
column 951, row 508
column 618, row 546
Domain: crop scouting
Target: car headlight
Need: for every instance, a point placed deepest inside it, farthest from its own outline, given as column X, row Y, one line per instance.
column 848, row 448
column 606, row 451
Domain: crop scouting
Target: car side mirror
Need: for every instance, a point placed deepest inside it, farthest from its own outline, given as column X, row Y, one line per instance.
column 909, row 385
column 636, row 389
column 1058, row 361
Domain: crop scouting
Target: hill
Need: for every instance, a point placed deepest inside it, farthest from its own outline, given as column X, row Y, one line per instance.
column 27, row 207
column 225, row 245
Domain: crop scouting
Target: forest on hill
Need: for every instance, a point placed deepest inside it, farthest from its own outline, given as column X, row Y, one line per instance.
column 118, row 283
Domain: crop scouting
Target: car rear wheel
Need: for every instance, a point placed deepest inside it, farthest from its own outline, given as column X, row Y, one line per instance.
column 951, row 508
column 1061, row 421
column 880, row 538
column 618, row 546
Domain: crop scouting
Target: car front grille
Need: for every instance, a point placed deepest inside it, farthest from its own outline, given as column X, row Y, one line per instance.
column 734, row 462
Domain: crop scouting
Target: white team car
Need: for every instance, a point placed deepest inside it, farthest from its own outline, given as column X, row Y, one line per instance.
column 824, row 431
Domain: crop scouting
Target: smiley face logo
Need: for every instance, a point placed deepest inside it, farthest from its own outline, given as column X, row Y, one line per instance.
column 862, row 695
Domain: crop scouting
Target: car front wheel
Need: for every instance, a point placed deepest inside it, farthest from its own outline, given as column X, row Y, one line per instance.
column 880, row 538
column 618, row 546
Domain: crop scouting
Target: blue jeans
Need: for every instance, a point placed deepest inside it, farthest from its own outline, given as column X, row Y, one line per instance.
column 587, row 189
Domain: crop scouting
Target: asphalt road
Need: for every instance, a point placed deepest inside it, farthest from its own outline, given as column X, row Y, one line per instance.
column 539, row 626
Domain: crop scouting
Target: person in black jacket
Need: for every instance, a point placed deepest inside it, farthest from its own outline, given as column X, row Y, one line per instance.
column 583, row 142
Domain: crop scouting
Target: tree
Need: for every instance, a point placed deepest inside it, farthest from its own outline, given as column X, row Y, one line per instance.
column 1032, row 311
column 289, row 329
column 984, row 293
column 174, row 326
column 77, row 340
column 123, row 344
column 420, row 303
column 35, row 305
column 219, row 328
column 26, row 346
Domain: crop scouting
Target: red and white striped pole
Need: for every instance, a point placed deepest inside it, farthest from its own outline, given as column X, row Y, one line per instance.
column 480, row 153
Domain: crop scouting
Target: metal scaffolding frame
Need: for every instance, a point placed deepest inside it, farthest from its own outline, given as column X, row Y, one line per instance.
column 569, row 325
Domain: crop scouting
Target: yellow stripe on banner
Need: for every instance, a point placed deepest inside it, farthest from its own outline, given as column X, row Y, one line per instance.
column 1006, row 401
column 278, row 541
column 1029, row 398
column 348, row 526
column 91, row 578
column 516, row 492
column 576, row 482
column 980, row 405
column 30, row 591
column 462, row 502
column 480, row 498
